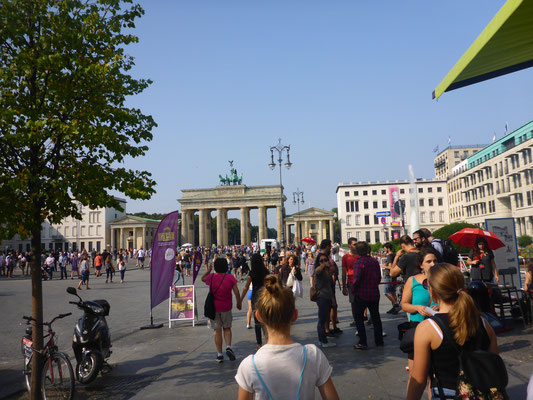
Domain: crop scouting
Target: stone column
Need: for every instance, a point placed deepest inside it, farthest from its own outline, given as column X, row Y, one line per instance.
column 144, row 238
column 225, row 238
column 184, row 226
column 297, row 234
column 305, row 233
column 244, row 225
column 279, row 218
column 331, row 235
column 248, row 230
column 287, row 232
column 207, row 228
column 190, row 226
column 262, row 234
column 220, row 227
column 201, row 226
column 320, row 231
column 121, row 246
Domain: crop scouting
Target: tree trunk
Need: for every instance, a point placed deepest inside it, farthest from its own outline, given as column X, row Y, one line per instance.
column 37, row 311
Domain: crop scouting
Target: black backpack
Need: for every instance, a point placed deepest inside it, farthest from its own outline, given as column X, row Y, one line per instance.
column 449, row 254
column 482, row 374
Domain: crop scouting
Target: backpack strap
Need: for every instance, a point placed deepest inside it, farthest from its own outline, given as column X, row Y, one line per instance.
column 299, row 383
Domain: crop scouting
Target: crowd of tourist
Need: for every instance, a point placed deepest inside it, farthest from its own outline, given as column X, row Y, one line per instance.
column 440, row 314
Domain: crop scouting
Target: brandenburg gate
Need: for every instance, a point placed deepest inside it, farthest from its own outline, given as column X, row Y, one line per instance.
column 224, row 198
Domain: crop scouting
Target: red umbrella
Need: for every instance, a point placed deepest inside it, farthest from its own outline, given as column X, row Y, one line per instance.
column 467, row 237
column 309, row 240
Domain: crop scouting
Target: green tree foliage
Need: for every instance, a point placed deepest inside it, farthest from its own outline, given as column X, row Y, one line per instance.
column 65, row 128
column 524, row 241
column 156, row 216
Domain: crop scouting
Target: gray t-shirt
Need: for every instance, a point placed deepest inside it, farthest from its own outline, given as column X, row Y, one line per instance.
column 280, row 367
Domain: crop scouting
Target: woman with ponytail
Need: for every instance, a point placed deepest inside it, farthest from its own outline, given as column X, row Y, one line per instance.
column 462, row 321
column 282, row 369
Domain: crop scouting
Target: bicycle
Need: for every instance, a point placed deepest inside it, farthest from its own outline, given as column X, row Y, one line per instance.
column 57, row 379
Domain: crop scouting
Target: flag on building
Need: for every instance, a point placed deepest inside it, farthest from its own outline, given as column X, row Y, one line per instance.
column 506, row 128
column 436, row 149
column 494, row 137
column 449, row 140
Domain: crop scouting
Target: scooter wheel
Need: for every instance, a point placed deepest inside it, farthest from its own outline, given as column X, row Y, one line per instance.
column 89, row 366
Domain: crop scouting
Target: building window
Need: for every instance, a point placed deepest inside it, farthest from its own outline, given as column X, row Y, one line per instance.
column 421, row 202
column 90, row 246
column 347, row 206
column 423, row 217
column 376, row 233
column 348, row 220
column 441, row 216
column 313, row 226
column 439, row 189
column 430, row 202
column 376, row 220
column 383, row 191
column 357, row 220
column 365, row 205
column 356, row 193
column 402, row 191
column 374, row 192
column 365, row 192
column 432, row 216
column 440, row 202
column 430, row 190
column 347, row 194
column 367, row 236
column 384, row 204
column 375, row 204
column 367, row 219
column 420, row 190
column 98, row 244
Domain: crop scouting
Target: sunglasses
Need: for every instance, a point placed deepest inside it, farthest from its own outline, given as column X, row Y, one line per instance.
column 425, row 284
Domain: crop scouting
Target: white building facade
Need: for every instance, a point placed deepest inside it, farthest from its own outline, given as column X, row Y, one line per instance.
column 360, row 206
column 92, row 232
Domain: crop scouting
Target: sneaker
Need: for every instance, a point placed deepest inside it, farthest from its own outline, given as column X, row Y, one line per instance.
column 248, row 326
column 396, row 310
column 328, row 344
column 337, row 330
column 356, row 333
column 219, row 359
column 391, row 310
column 230, row 354
column 384, row 334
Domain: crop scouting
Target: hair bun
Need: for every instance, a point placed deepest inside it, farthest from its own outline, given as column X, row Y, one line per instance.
column 272, row 284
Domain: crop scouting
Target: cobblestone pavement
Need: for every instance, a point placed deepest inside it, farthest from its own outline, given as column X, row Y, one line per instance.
column 179, row 362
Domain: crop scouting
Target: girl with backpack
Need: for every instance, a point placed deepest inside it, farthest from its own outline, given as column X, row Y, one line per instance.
column 283, row 368
column 458, row 324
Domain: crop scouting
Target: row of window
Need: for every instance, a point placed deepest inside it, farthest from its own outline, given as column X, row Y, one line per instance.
column 64, row 231
column 384, row 191
column 357, row 218
column 481, row 209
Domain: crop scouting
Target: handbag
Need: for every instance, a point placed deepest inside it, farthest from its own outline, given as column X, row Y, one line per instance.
column 407, row 344
column 313, row 293
column 297, row 288
column 290, row 280
column 209, row 305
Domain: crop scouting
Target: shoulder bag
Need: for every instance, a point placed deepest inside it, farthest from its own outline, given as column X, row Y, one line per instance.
column 209, row 306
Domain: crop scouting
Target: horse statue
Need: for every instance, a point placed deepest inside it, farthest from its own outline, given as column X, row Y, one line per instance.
column 224, row 181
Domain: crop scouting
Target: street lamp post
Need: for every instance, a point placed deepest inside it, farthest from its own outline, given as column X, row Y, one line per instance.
column 297, row 198
column 280, row 149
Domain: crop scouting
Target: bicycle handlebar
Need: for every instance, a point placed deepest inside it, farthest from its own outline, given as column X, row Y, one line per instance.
column 29, row 319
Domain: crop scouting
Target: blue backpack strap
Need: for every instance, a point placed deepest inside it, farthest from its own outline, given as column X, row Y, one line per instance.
column 261, row 379
column 302, row 373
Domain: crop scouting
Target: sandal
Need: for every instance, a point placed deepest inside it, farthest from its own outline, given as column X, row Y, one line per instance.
column 360, row 346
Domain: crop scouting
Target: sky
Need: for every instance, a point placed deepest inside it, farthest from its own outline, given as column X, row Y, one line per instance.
column 347, row 84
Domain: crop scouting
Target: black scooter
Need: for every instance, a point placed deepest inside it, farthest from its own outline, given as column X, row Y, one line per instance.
column 91, row 341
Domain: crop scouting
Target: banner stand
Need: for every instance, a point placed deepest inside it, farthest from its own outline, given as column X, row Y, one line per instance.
column 182, row 304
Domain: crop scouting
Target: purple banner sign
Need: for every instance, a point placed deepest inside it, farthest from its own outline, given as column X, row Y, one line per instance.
column 163, row 261
column 196, row 264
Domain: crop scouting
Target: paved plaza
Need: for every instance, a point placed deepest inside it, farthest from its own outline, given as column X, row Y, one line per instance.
column 180, row 362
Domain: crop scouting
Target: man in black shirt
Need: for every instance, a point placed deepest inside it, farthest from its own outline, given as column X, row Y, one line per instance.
column 406, row 260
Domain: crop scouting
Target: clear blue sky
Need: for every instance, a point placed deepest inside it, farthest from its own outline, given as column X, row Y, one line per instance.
column 346, row 83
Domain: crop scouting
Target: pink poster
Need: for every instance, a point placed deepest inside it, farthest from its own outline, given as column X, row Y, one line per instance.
column 181, row 302
column 394, row 196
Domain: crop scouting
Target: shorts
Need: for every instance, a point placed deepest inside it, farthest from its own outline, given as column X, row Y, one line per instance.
column 249, row 297
column 141, row 259
column 98, row 267
column 389, row 288
column 85, row 276
column 222, row 320
column 187, row 266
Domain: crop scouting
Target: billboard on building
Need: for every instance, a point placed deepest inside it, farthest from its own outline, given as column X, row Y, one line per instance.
column 394, row 196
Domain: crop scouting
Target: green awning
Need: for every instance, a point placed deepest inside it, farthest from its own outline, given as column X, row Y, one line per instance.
column 504, row 46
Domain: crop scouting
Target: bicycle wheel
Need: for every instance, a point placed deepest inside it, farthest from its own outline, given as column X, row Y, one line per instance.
column 57, row 378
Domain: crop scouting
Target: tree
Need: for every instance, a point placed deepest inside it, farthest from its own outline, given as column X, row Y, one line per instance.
column 156, row 216
column 524, row 241
column 65, row 129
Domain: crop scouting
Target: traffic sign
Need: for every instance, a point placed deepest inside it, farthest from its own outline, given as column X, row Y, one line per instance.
column 383, row 220
column 383, row 214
